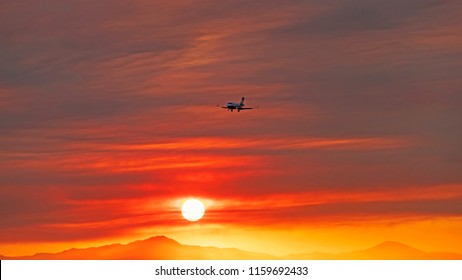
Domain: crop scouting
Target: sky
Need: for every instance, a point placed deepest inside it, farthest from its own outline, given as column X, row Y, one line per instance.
column 109, row 121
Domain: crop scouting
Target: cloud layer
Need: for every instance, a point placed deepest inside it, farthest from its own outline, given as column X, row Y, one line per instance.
column 108, row 113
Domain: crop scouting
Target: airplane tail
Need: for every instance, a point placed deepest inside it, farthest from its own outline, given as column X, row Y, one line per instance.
column 242, row 102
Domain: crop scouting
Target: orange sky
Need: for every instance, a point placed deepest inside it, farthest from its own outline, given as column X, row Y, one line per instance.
column 108, row 121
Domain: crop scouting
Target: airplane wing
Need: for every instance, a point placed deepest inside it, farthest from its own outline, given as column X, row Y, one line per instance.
column 246, row 108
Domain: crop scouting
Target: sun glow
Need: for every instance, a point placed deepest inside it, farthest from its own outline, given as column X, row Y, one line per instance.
column 192, row 210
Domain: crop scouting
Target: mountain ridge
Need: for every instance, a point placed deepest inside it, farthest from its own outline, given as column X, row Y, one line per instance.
column 153, row 248
column 387, row 250
column 164, row 248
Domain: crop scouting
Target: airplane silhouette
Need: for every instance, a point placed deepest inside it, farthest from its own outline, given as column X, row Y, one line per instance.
column 231, row 106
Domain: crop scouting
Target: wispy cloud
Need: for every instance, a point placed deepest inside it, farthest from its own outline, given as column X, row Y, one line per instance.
column 112, row 104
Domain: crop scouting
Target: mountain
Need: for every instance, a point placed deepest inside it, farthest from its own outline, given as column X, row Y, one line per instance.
column 154, row 248
column 388, row 250
column 163, row 248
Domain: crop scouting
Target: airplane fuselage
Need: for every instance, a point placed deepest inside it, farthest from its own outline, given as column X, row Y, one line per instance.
column 232, row 105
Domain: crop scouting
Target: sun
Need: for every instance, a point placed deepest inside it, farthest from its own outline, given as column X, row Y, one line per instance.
column 192, row 210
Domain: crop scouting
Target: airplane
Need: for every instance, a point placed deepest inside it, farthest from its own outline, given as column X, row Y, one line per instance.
column 231, row 106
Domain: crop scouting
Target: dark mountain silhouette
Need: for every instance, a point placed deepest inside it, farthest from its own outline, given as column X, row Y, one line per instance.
column 388, row 250
column 163, row 248
column 154, row 248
